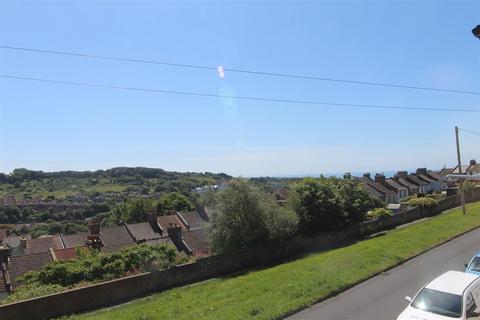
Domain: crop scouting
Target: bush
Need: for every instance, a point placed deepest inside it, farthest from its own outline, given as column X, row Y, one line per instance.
column 330, row 203
column 424, row 202
column 174, row 201
column 246, row 217
column 93, row 266
column 379, row 213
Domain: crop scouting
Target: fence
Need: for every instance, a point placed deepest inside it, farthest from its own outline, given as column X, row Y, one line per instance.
column 122, row 290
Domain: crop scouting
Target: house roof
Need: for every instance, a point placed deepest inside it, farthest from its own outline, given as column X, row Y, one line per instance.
column 193, row 219
column 425, row 178
column 395, row 185
column 415, row 180
column 474, row 168
column 65, row 254
column 19, row 265
column 160, row 240
column 197, row 242
column 43, row 244
column 376, row 186
column 142, row 231
column 165, row 221
column 406, row 183
column 464, row 169
column 14, row 241
column 74, row 240
column 445, row 171
column 116, row 237
column 434, row 175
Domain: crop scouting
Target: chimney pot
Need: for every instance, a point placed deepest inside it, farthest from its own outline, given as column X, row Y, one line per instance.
column 380, row 178
column 473, row 162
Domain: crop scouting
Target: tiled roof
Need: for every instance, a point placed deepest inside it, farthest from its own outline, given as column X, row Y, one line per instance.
column 415, row 180
column 395, row 185
column 14, row 241
column 434, row 175
column 160, row 240
column 196, row 240
column 165, row 221
column 142, row 231
column 19, row 265
column 376, row 186
column 65, row 254
column 43, row 244
column 425, row 178
column 474, row 168
column 74, row 240
column 116, row 237
column 193, row 219
column 406, row 183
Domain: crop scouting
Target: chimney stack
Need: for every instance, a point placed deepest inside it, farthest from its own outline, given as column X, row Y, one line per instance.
column 175, row 233
column 422, row 171
column 473, row 162
column 4, row 254
column 380, row 178
column 152, row 220
column 23, row 243
column 367, row 175
column 402, row 174
column 94, row 227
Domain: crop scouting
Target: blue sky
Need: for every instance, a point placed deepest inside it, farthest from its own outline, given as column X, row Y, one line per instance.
column 60, row 127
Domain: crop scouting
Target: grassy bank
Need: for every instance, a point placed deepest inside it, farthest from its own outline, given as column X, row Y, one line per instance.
column 272, row 292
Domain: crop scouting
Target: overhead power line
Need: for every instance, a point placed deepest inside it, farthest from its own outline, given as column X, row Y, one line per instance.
column 251, row 98
column 244, row 71
column 470, row 131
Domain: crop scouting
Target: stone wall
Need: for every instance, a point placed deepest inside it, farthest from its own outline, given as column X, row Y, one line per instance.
column 125, row 289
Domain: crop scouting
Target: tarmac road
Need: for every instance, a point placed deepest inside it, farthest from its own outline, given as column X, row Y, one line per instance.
column 383, row 297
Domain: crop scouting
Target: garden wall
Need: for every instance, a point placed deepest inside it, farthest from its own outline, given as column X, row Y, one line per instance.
column 125, row 289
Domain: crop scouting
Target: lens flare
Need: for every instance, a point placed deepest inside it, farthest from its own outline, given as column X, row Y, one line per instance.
column 221, row 71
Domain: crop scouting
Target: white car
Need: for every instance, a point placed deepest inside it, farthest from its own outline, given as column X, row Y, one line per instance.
column 453, row 295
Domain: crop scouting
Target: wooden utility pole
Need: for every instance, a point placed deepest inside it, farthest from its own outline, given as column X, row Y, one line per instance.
column 460, row 186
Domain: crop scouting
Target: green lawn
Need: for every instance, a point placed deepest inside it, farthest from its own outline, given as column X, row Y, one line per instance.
column 272, row 292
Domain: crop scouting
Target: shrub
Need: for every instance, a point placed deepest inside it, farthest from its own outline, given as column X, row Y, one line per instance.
column 93, row 266
column 330, row 203
column 246, row 217
column 424, row 202
column 379, row 213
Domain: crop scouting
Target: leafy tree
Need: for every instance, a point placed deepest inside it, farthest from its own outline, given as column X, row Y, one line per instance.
column 174, row 201
column 317, row 206
column 247, row 218
column 133, row 210
column 330, row 203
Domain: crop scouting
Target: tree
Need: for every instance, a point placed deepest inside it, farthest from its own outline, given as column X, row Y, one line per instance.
column 247, row 218
column 330, row 203
column 132, row 211
column 174, row 201
column 316, row 205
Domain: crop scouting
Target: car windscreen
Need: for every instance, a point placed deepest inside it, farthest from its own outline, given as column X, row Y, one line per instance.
column 438, row 302
column 475, row 264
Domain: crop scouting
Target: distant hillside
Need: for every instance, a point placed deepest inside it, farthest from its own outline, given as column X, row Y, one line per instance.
column 28, row 184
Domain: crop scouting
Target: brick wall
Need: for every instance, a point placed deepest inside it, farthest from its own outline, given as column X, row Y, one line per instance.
column 125, row 289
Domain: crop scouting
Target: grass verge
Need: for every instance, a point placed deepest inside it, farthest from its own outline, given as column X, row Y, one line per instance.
column 273, row 292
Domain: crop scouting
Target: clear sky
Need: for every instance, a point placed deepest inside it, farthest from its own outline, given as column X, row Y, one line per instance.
column 61, row 127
